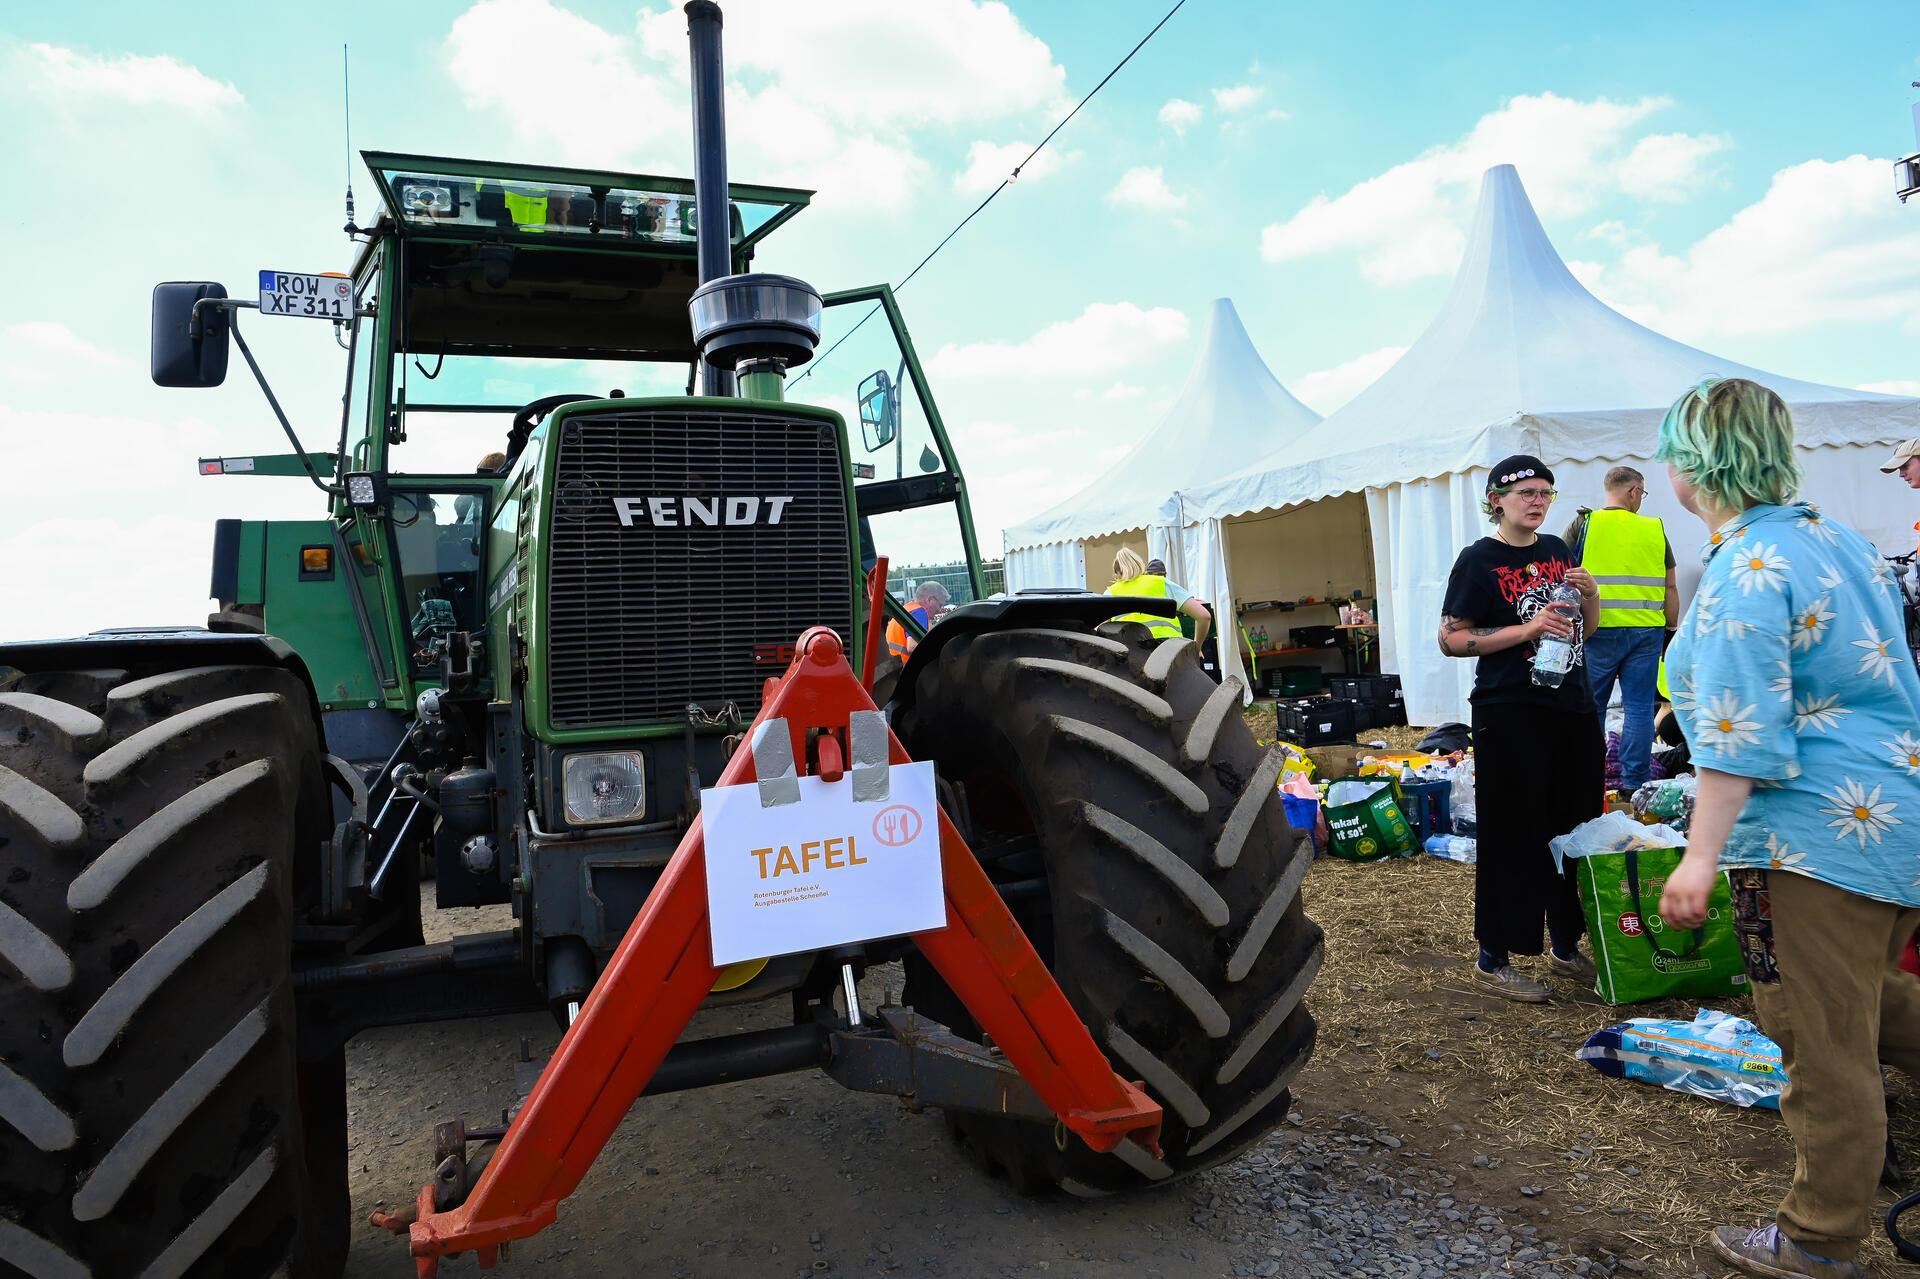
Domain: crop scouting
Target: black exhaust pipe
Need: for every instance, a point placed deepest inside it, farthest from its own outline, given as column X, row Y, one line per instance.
column 712, row 208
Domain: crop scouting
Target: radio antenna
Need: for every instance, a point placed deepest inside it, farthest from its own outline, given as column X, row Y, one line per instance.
column 346, row 113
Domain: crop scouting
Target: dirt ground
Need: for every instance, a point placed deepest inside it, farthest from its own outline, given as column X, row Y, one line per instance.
column 793, row 1176
column 784, row 1176
column 1636, row 1170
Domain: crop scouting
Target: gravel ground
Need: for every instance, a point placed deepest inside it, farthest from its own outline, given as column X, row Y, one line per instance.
column 794, row 1177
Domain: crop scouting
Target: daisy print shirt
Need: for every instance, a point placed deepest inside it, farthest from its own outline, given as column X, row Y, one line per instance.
column 1791, row 667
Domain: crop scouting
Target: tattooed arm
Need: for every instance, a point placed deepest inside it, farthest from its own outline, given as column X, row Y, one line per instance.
column 1461, row 637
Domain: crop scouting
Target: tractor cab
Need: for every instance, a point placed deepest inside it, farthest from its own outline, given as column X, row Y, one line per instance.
column 489, row 300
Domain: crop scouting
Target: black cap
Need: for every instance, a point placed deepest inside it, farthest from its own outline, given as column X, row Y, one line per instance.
column 1511, row 470
column 1157, row 566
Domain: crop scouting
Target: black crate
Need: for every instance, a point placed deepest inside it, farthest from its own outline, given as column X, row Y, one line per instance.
column 1288, row 682
column 1357, row 688
column 1317, row 721
column 1314, row 636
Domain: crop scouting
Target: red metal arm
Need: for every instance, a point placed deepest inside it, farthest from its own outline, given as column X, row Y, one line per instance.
column 664, row 968
column 876, row 620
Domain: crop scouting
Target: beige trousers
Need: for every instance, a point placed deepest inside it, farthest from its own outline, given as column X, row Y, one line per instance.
column 1838, row 1008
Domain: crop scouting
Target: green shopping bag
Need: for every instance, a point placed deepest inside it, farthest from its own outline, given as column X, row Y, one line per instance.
column 1637, row 955
column 1369, row 828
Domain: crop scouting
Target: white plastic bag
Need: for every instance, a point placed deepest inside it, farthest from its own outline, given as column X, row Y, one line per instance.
column 1613, row 832
column 1354, row 790
column 1460, row 802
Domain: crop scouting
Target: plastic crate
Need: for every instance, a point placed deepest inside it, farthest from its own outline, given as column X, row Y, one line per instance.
column 1318, row 721
column 1428, row 807
column 1314, row 636
column 1291, row 681
column 1358, row 688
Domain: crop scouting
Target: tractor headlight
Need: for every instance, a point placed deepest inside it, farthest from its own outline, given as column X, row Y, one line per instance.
column 418, row 199
column 366, row 489
column 605, row 786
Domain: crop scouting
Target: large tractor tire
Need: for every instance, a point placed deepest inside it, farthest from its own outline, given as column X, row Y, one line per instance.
column 1115, row 794
column 151, row 1102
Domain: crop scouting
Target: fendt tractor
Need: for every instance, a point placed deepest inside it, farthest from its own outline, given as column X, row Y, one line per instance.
column 510, row 668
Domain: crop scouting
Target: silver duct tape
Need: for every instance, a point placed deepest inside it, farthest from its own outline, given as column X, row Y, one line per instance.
column 867, row 736
column 779, row 780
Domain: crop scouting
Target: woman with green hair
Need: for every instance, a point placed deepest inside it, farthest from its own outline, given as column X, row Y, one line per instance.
column 1802, row 709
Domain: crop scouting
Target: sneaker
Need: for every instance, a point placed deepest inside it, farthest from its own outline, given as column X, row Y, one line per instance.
column 1769, row 1253
column 1579, row 967
column 1508, row 984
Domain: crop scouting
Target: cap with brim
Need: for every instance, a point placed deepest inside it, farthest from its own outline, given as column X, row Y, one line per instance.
column 1902, row 455
column 1509, row 471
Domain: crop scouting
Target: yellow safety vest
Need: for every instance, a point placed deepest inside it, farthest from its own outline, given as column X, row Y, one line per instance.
column 1627, row 555
column 1152, row 586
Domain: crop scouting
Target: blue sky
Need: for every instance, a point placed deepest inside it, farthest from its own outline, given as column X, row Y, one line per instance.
column 1720, row 172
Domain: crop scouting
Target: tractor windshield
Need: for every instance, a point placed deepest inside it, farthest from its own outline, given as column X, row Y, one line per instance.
column 462, row 412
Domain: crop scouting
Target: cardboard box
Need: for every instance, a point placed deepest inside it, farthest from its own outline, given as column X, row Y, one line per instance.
column 1331, row 763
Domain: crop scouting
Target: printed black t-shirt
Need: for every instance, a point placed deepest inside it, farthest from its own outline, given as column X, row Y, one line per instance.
column 1494, row 584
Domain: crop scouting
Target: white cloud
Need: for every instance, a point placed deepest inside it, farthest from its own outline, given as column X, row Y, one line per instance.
column 1407, row 222
column 1145, row 187
column 1123, row 391
column 140, row 572
column 1179, row 114
column 1612, row 231
column 988, row 164
column 1667, row 166
column 1238, row 97
column 1825, row 245
column 130, row 79
column 40, row 351
column 498, row 47
column 1103, row 339
column 1899, row 386
column 824, row 95
column 1325, row 390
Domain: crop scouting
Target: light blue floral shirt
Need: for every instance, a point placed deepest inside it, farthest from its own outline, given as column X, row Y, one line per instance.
column 1792, row 668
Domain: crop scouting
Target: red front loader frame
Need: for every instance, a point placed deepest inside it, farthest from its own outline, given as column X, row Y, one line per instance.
column 664, row 969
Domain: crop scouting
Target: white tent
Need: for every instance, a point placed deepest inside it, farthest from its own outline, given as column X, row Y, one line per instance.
column 1522, row 359
column 1230, row 409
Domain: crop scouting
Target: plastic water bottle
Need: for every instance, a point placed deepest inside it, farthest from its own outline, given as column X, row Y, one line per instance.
column 1553, row 655
column 1455, row 848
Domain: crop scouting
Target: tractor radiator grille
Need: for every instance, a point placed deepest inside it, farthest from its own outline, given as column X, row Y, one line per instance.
column 644, row 619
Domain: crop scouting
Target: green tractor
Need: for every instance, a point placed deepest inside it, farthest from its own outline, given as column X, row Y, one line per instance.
column 590, row 484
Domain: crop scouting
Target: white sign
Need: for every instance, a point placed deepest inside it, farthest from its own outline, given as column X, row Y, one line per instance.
column 822, row 872
column 322, row 297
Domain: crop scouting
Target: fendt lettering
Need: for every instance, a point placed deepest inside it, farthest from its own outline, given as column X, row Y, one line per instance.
column 692, row 512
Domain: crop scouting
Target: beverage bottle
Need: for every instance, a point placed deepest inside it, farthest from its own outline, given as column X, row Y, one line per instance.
column 1553, row 654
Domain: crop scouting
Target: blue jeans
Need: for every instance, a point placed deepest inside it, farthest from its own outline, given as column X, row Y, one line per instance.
column 1630, row 654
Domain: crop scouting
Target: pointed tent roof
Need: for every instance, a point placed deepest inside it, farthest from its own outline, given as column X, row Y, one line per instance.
column 1522, row 358
column 1230, row 407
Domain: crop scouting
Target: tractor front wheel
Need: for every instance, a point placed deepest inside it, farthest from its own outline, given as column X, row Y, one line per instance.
column 1114, row 793
column 152, row 1112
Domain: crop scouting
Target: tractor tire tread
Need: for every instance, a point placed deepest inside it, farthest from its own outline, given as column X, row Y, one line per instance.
column 1173, row 920
column 150, row 1114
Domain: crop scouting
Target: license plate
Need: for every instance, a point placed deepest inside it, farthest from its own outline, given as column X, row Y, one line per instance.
column 318, row 297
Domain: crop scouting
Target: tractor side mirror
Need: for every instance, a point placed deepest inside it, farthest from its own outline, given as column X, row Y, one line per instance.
column 879, row 423
column 188, row 349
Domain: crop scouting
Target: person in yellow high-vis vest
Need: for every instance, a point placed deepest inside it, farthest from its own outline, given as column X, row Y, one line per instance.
column 1628, row 556
column 1130, row 577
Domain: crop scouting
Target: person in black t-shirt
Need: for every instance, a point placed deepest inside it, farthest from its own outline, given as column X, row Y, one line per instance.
column 1539, row 758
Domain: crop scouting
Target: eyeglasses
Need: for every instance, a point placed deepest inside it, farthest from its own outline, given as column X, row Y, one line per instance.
column 1541, row 496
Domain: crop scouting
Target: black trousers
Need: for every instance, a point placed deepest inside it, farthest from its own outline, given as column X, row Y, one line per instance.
column 1537, row 773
